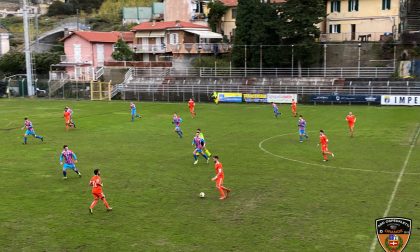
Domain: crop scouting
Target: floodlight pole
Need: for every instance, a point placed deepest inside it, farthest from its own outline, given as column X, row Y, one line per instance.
column 27, row 50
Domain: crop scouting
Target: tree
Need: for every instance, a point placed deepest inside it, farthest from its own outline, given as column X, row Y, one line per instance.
column 60, row 8
column 254, row 29
column 297, row 26
column 122, row 51
column 12, row 63
column 217, row 11
column 43, row 61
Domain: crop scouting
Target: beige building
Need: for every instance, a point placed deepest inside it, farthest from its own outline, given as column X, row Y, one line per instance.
column 228, row 25
column 4, row 41
column 361, row 20
column 194, row 11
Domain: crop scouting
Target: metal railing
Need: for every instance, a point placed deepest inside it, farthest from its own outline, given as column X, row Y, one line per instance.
column 355, row 36
column 330, row 72
column 146, row 48
column 182, row 92
column 72, row 59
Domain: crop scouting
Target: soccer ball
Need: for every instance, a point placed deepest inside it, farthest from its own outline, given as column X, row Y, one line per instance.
column 202, row 195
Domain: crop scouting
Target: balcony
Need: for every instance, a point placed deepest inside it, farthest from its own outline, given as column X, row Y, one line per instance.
column 139, row 48
column 71, row 60
column 199, row 48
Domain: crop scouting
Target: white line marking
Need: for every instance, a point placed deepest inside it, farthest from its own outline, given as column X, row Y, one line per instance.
column 319, row 165
column 391, row 199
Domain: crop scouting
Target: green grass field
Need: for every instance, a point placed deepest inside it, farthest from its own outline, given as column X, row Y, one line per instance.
column 284, row 197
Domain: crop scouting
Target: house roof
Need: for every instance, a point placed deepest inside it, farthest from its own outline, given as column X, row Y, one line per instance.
column 233, row 3
column 147, row 26
column 103, row 37
column 229, row 3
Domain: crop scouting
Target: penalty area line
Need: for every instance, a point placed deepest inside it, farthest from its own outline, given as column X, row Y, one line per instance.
column 394, row 192
column 260, row 145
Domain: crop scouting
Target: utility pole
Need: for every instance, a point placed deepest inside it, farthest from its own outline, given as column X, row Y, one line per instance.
column 77, row 18
column 28, row 58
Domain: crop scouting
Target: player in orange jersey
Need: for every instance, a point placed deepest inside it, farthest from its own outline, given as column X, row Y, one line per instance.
column 323, row 140
column 351, row 120
column 67, row 118
column 294, row 107
column 224, row 191
column 96, row 184
column 191, row 105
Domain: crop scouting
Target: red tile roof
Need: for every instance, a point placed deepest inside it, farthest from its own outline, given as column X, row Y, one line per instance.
column 147, row 26
column 103, row 37
column 233, row 3
column 230, row 3
column 126, row 36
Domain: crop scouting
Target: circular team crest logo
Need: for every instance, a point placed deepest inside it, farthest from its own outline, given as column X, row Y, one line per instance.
column 393, row 233
column 387, row 99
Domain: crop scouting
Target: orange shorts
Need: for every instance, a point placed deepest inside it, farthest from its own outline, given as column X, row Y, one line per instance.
column 192, row 109
column 324, row 148
column 219, row 182
column 294, row 109
column 98, row 195
column 351, row 125
column 67, row 121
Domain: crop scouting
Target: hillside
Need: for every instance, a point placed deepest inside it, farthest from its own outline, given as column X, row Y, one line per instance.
column 112, row 9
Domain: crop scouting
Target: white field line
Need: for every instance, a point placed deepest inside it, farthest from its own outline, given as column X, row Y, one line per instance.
column 391, row 199
column 260, row 145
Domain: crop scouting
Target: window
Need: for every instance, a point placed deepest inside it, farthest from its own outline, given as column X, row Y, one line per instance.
column 335, row 6
column 234, row 13
column 353, row 5
column 173, row 38
column 335, row 28
column 386, row 4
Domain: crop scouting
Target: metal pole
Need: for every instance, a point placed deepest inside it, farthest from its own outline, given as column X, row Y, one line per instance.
column 358, row 61
column 325, row 60
column 260, row 60
column 293, row 58
column 245, row 60
column 395, row 57
column 77, row 19
column 27, row 50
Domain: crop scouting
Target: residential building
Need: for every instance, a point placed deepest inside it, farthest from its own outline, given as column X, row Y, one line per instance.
column 4, row 41
column 137, row 15
column 85, row 52
column 361, row 20
column 187, row 11
column 156, row 40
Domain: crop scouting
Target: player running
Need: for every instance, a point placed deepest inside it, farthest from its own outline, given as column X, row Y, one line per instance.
column 275, row 110
column 351, row 120
column 323, row 140
column 72, row 124
column 302, row 129
column 67, row 118
column 177, row 120
column 220, row 175
column 134, row 111
column 191, row 105
column 69, row 161
column 29, row 131
column 205, row 149
column 199, row 145
column 96, row 184
column 294, row 107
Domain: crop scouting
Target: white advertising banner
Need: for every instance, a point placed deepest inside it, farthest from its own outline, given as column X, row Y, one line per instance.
column 400, row 100
column 281, row 98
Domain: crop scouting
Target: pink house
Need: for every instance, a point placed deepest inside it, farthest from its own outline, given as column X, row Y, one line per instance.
column 86, row 52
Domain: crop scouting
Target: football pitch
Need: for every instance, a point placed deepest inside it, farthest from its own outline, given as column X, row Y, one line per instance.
column 284, row 198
